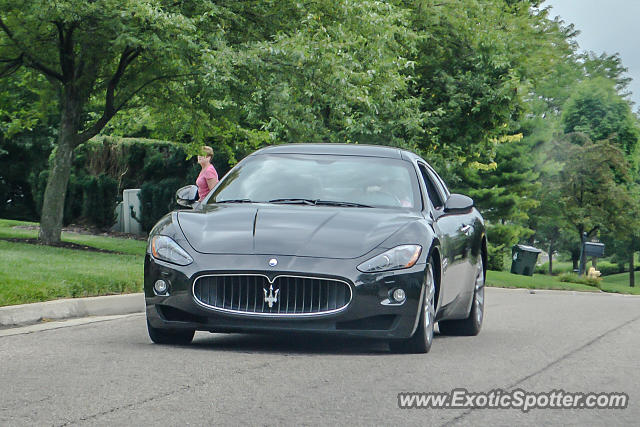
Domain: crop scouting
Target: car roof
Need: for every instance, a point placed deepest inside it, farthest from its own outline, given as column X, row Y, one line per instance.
column 339, row 149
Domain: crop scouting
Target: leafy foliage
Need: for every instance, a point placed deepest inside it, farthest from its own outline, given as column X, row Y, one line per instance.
column 591, row 194
column 598, row 111
column 504, row 193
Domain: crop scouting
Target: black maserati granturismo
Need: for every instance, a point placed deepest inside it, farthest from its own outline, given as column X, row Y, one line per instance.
column 341, row 239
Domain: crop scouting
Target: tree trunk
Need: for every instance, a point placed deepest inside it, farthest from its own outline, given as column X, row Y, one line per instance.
column 582, row 265
column 575, row 259
column 56, row 190
column 632, row 273
column 550, row 259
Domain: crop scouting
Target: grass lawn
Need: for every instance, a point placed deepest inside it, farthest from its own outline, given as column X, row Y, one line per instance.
column 32, row 273
column 504, row 279
column 615, row 283
column 558, row 267
column 620, row 283
column 128, row 246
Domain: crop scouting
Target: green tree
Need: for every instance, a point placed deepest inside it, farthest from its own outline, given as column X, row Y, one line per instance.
column 97, row 56
column 547, row 218
column 593, row 187
column 623, row 250
column 597, row 110
column 608, row 67
column 503, row 191
column 476, row 63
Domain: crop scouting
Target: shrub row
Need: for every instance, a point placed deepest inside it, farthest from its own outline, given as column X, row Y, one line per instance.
column 573, row 278
column 156, row 199
column 606, row 268
column 21, row 156
column 557, row 269
column 105, row 166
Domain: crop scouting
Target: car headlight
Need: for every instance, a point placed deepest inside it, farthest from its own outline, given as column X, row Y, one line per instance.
column 404, row 256
column 166, row 249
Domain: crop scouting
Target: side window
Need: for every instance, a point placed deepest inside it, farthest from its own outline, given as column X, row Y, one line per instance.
column 440, row 182
column 434, row 196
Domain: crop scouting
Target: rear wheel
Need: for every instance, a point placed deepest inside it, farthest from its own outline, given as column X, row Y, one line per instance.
column 472, row 324
column 422, row 338
column 163, row 336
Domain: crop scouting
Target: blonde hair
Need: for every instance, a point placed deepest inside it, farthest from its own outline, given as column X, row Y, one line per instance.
column 208, row 151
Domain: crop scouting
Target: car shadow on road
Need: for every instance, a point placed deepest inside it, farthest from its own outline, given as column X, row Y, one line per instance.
column 297, row 343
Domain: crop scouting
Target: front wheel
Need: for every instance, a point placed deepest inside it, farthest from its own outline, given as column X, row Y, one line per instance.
column 471, row 325
column 422, row 338
column 176, row 337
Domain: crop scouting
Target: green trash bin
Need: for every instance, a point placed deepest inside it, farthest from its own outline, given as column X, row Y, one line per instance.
column 524, row 259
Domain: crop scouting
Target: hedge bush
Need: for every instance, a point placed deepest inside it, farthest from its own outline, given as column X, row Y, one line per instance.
column 606, row 268
column 105, row 166
column 100, row 196
column 495, row 257
column 574, row 278
column 21, row 156
column 158, row 166
column 156, row 199
column 557, row 268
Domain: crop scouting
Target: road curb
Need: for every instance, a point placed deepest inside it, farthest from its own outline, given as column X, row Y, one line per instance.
column 25, row 314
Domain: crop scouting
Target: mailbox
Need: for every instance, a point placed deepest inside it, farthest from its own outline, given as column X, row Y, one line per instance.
column 592, row 249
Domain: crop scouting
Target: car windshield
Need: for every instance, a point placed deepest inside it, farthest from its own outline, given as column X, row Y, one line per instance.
column 334, row 180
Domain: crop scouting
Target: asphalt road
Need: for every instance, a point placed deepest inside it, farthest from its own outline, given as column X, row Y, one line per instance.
column 107, row 372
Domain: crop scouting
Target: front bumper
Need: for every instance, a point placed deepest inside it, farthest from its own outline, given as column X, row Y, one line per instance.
column 368, row 314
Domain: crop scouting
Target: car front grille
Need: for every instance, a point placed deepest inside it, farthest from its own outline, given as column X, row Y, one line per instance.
column 284, row 296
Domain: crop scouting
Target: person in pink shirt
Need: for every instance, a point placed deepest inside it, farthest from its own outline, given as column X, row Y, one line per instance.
column 208, row 177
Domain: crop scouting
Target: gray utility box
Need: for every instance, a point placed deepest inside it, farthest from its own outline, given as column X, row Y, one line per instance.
column 524, row 259
column 128, row 213
column 131, row 211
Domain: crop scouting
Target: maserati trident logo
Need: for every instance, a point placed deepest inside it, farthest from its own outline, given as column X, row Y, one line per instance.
column 271, row 297
column 273, row 262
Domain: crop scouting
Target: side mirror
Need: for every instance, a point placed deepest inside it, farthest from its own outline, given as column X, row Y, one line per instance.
column 187, row 196
column 458, row 203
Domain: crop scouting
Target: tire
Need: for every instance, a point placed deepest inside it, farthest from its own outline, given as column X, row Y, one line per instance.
column 422, row 338
column 471, row 325
column 174, row 337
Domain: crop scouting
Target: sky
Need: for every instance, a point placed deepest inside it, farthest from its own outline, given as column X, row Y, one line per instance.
column 606, row 26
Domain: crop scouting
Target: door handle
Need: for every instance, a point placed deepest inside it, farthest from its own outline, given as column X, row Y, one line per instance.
column 466, row 229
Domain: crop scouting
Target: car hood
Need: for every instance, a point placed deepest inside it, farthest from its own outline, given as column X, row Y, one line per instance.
column 312, row 231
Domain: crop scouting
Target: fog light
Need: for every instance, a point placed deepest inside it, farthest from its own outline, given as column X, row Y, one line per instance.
column 160, row 287
column 399, row 295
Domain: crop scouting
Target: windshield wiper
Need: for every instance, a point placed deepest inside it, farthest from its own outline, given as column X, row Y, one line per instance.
column 336, row 203
column 235, row 201
column 294, row 201
column 317, row 202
